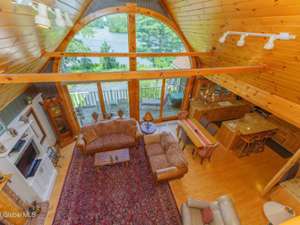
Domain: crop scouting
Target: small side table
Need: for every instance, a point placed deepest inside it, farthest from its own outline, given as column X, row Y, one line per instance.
column 148, row 127
column 277, row 213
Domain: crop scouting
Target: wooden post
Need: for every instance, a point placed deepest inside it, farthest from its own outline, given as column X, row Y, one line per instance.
column 101, row 98
column 282, row 172
column 162, row 97
column 133, row 85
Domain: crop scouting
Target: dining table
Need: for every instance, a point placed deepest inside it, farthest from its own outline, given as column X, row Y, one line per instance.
column 251, row 124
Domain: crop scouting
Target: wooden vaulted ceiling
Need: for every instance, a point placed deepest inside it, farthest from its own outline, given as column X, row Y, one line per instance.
column 22, row 43
column 202, row 22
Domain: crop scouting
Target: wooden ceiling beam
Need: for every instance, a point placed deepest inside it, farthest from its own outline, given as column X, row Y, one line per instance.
column 123, row 54
column 281, row 173
column 150, row 74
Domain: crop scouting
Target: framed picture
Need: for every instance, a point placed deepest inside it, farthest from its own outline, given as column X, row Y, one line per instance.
column 2, row 127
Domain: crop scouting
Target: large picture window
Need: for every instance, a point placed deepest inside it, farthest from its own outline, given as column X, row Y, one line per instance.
column 109, row 34
column 105, row 34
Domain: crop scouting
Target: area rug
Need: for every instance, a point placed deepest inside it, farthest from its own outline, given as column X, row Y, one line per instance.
column 115, row 195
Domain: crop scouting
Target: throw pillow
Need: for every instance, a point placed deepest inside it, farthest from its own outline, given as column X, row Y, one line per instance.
column 89, row 135
column 207, row 215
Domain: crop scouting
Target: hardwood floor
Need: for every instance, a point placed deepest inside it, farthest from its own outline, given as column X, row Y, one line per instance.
column 241, row 178
column 61, row 174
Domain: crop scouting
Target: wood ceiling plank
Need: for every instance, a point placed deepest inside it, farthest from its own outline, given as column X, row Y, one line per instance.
column 21, row 41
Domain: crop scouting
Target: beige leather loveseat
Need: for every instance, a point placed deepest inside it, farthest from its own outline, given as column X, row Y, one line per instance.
column 108, row 135
column 165, row 156
column 223, row 211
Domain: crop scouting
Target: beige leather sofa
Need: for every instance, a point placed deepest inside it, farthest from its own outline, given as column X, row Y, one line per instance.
column 108, row 135
column 223, row 210
column 165, row 156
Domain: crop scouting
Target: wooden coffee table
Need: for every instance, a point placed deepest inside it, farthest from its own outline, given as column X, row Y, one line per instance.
column 112, row 157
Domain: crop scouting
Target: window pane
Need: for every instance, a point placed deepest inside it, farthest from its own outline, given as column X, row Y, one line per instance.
column 93, row 64
column 105, row 31
column 173, row 96
column 163, row 63
column 154, row 36
column 85, row 101
column 150, row 93
column 115, row 96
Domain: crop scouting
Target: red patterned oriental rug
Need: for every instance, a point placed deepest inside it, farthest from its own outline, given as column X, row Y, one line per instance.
column 115, row 195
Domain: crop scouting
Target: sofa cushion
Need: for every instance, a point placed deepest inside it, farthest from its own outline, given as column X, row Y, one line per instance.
column 151, row 139
column 185, row 214
column 154, row 149
column 175, row 156
column 158, row 162
column 114, row 127
column 228, row 211
column 89, row 134
column 196, row 217
column 128, row 126
column 107, row 140
column 103, row 128
column 218, row 219
column 122, row 139
column 166, row 139
column 95, row 145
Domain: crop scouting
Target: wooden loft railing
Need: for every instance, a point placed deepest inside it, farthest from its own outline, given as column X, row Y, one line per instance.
column 124, row 54
column 280, row 107
column 130, row 75
column 281, row 173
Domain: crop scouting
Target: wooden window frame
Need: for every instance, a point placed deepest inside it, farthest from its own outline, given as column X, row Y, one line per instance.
column 133, row 84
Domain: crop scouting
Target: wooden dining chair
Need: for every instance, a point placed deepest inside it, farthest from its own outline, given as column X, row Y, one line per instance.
column 204, row 121
column 212, row 128
column 248, row 145
column 254, row 143
column 261, row 140
column 206, row 152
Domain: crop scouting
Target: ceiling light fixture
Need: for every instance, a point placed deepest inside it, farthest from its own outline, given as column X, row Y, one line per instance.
column 59, row 20
column 270, row 43
column 242, row 41
column 42, row 19
column 223, row 38
column 62, row 19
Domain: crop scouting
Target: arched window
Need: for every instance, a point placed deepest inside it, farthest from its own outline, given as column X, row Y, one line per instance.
column 162, row 97
column 105, row 34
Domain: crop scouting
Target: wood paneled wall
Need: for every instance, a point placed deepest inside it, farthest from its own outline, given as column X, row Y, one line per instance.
column 204, row 21
column 22, row 42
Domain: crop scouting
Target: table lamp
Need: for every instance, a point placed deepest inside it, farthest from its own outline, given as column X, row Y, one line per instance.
column 294, row 221
column 148, row 118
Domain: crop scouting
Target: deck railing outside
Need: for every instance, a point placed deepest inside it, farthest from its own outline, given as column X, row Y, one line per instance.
column 114, row 97
column 87, row 102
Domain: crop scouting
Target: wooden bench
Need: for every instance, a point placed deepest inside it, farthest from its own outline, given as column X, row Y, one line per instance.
column 204, row 142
